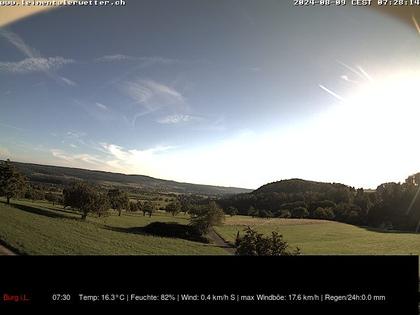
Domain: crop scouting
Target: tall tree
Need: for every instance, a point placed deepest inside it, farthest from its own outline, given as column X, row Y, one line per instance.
column 118, row 199
column 148, row 207
column 174, row 207
column 207, row 216
column 86, row 199
column 12, row 183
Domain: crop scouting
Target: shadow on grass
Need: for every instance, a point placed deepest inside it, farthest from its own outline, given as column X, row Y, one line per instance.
column 13, row 249
column 39, row 211
column 163, row 229
column 378, row 230
column 62, row 210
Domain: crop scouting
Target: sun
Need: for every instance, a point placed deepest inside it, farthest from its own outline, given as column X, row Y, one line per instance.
column 379, row 118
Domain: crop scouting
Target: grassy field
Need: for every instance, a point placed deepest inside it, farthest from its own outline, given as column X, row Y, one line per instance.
column 319, row 237
column 42, row 229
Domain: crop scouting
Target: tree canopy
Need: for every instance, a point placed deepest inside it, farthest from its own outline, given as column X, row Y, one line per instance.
column 86, row 198
column 12, row 183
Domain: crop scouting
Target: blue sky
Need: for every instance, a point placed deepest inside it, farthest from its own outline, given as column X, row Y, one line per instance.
column 235, row 93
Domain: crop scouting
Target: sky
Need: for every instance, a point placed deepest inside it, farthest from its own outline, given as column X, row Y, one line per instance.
column 233, row 92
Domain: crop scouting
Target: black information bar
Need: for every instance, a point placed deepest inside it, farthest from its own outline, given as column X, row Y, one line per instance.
column 380, row 283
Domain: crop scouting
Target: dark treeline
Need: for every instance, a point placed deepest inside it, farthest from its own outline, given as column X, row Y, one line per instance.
column 391, row 206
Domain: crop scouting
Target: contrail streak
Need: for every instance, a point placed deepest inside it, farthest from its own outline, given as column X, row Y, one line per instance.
column 351, row 69
column 365, row 73
column 347, row 79
column 332, row 93
column 30, row 52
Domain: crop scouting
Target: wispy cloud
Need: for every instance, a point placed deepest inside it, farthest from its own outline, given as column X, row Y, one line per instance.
column 152, row 95
column 11, row 127
column 76, row 158
column 99, row 111
column 116, row 158
column 101, row 106
column 4, row 153
column 68, row 81
column 36, row 65
column 122, row 159
column 75, row 134
column 145, row 61
column 177, row 118
column 141, row 62
column 114, row 58
column 34, row 61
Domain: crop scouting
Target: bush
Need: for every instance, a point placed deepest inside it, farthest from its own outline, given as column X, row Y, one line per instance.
column 323, row 213
column 300, row 212
column 284, row 214
column 265, row 214
column 256, row 244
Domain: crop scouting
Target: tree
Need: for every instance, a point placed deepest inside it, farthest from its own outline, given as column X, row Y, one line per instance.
column 118, row 200
column 207, row 216
column 51, row 197
column 133, row 207
column 186, row 203
column 284, row 214
column 86, row 199
column 323, row 213
column 252, row 211
column 148, row 207
column 174, row 207
column 34, row 193
column 256, row 244
column 12, row 183
column 300, row 212
column 231, row 211
column 265, row 214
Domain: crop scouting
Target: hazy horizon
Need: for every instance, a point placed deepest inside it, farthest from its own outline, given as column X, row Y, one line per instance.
column 228, row 93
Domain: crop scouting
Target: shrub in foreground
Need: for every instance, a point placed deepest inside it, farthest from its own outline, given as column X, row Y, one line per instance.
column 256, row 244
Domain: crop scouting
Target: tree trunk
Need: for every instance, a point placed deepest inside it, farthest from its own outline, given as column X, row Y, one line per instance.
column 119, row 212
column 84, row 215
column 8, row 200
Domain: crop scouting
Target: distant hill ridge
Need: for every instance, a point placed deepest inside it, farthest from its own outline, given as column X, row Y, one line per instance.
column 294, row 185
column 61, row 175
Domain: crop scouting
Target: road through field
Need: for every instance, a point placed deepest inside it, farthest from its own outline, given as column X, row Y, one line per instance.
column 5, row 251
column 220, row 242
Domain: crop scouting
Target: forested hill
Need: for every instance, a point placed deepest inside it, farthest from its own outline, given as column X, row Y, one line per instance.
column 391, row 205
column 296, row 185
column 58, row 175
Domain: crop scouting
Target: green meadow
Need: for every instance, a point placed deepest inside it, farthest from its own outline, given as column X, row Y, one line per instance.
column 43, row 229
column 39, row 228
column 320, row 237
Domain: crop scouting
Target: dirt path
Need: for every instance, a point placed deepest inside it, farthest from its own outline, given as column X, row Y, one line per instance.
column 215, row 238
column 4, row 251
